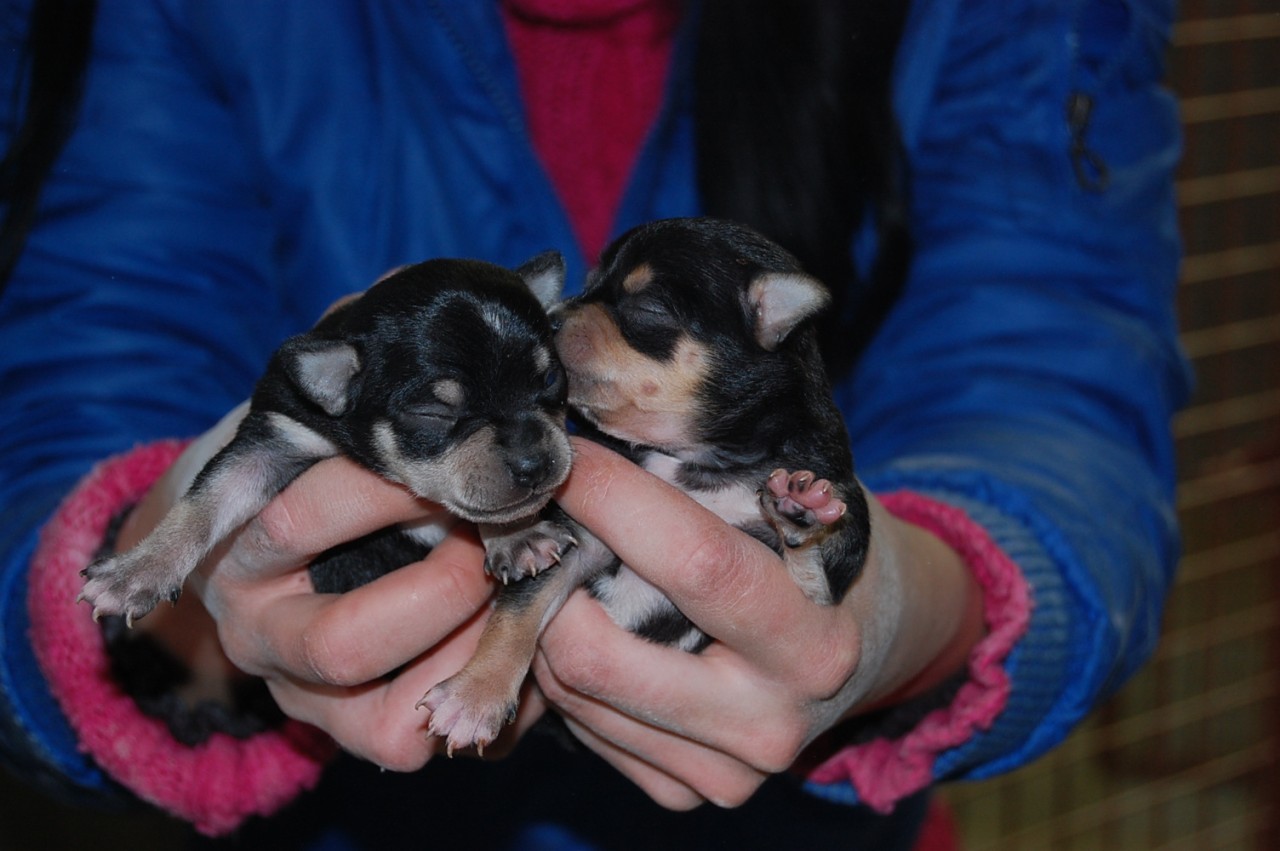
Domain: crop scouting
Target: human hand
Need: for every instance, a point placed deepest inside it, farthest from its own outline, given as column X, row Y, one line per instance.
column 688, row 728
column 250, row 608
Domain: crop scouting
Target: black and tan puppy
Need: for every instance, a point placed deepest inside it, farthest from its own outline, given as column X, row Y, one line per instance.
column 691, row 351
column 441, row 377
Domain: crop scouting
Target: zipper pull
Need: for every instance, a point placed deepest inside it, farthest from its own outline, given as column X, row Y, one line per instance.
column 1091, row 172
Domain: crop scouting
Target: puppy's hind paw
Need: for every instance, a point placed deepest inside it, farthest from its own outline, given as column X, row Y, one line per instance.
column 800, row 505
column 465, row 721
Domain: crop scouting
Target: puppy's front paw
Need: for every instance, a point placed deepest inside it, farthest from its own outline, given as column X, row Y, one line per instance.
column 512, row 556
column 468, row 711
column 800, row 505
column 122, row 586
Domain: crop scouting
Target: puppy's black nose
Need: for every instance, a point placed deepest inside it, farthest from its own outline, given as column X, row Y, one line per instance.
column 529, row 469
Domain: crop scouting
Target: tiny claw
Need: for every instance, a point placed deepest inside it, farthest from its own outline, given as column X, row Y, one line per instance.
column 448, row 749
column 97, row 614
column 128, row 620
column 480, row 749
column 80, row 598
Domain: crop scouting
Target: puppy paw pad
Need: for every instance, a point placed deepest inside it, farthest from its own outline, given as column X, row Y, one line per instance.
column 463, row 720
column 516, row 557
column 112, row 590
column 804, row 498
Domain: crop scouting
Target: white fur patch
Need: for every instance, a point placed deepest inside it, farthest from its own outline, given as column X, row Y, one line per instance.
column 384, row 437
column 736, row 504
column 310, row 442
column 782, row 301
column 431, row 531
column 630, row 600
column 194, row 457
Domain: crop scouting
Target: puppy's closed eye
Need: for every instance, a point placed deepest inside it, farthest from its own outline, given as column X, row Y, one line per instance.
column 555, row 386
column 433, row 415
column 649, row 325
column 648, row 309
column 438, row 411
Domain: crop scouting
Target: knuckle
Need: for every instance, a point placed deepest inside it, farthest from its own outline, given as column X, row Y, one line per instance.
column 458, row 592
column 834, row 666
column 241, row 651
column 776, row 750
column 327, row 657
column 242, row 642
column 276, row 528
column 579, row 669
column 553, row 691
column 732, row 791
column 677, row 798
column 717, row 562
column 390, row 747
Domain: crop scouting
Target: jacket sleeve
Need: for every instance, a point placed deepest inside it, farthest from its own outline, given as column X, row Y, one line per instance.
column 1026, row 380
column 141, row 309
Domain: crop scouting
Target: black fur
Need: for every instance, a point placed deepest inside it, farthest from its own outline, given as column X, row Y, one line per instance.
column 422, row 332
column 761, row 409
column 441, row 377
column 359, row 562
column 692, row 351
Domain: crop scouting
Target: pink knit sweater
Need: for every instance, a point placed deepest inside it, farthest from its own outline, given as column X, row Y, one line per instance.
column 591, row 74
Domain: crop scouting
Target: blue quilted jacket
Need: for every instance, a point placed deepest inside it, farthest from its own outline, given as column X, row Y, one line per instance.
column 239, row 166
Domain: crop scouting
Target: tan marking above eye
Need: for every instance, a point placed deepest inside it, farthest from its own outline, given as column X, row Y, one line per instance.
column 638, row 278
column 448, row 391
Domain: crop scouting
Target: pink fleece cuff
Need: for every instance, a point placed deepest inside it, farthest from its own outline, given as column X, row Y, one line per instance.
column 215, row 785
column 884, row 771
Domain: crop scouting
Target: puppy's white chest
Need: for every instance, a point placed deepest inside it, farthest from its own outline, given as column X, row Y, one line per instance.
column 737, row 504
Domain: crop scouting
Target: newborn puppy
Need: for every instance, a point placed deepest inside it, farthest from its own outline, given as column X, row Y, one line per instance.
column 691, row 351
column 442, row 377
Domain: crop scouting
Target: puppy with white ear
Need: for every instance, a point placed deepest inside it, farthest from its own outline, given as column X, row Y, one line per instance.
column 691, row 351
column 780, row 301
column 442, row 377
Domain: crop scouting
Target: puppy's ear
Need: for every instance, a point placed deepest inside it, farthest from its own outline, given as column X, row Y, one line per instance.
column 779, row 301
column 544, row 275
column 323, row 371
